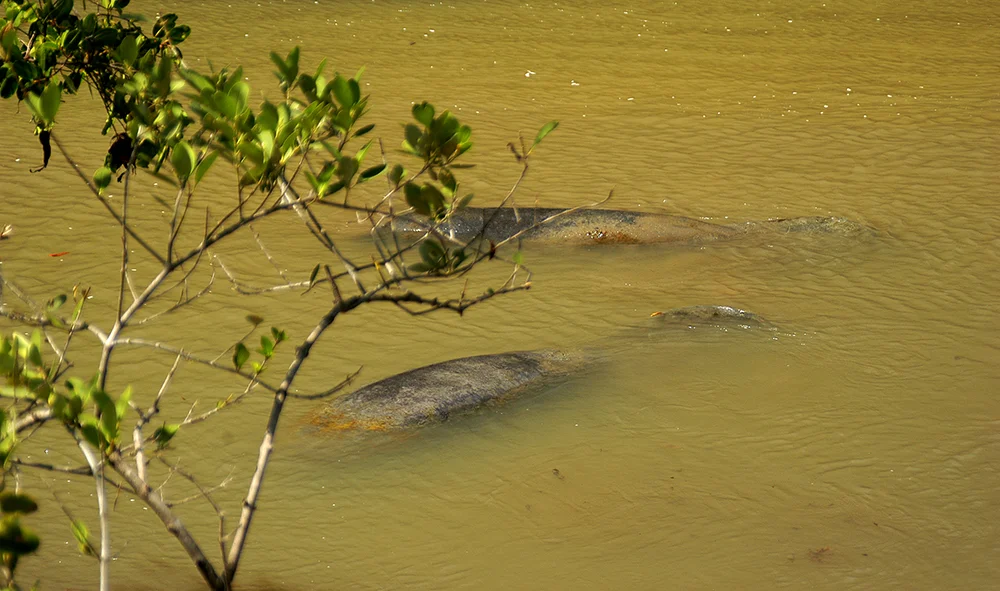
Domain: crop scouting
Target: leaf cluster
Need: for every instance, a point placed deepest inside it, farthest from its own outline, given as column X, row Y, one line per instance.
column 16, row 540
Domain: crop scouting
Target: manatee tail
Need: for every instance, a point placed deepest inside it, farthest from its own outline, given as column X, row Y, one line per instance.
column 810, row 224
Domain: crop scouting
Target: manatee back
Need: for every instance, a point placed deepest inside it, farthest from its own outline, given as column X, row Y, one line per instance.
column 581, row 227
column 710, row 315
column 435, row 392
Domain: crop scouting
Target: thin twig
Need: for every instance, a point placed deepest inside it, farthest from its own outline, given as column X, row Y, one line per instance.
column 263, row 249
column 347, row 381
column 146, row 417
column 207, row 495
column 190, row 357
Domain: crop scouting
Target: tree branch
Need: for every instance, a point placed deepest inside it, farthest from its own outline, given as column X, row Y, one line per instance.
column 172, row 522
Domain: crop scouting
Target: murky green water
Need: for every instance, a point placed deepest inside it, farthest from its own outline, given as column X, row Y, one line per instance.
column 856, row 447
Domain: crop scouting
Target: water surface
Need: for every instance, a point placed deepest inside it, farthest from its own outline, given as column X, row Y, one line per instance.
column 855, row 447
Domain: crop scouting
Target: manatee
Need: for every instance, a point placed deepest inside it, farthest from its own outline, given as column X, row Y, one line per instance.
column 436, row 392
column 607, row 226
column 724, row 317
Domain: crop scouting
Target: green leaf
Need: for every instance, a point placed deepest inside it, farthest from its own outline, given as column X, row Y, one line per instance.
column 203, row 167
column 82, row 535
column 196, row 80
column 431, row 253
column 308, row 85
column 240, row 356
column 17, row 503
column 15, row 539
column 78, row 309
column 463, row 202
column 320, row 68
column 282, row 68
column 90, row 432
column 544, row 131
column 335, row 187
column 416, row 199
column 266, row 139
column 57, row 302
column 183, row 159
column 519, row 258
column 342, row 90
column 35, row 351
column 8, row 86
column 51, row 99
column 164, row 434
column 241, row 92
column 293, row 64
column 179, row 33
column 355, row 91
column 434, row 199
column 266, row 346
column 108, row 415
column 347, row 167
column 413, row 135
column 128, row 50
column 423, row 113
column 102, row 178
column 360, row 155
column 364, row 130
column 279, row 335
column 122, row 404
column 396, row 174
column 447, row 179
column 372, row 172
column 312, row 276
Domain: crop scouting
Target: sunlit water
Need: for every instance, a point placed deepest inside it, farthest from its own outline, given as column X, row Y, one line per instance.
column 855, row 446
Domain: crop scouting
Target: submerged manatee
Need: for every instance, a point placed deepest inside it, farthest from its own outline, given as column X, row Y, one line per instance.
column 716, row 316
column 436, row 392
column 608, row 226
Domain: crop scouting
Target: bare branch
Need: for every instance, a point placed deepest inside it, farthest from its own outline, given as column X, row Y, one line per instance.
column 124, row 281
column 145, row 417
column 347, row 381
column 154, row 501
column 263, row 249
column 78, row 471
column 289, row 195
column 207, row 495
column 177, row 220
column 225, row 482
column 184, row 301
column 267, row 442
column 42, row 322
column 96, row 463
column 230, row 400
column 34, row 416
